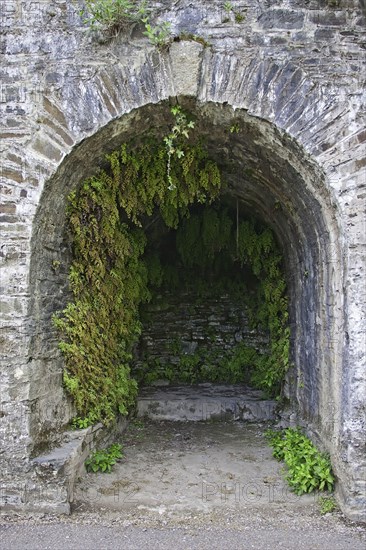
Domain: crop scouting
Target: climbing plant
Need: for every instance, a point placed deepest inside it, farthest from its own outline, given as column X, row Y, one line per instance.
column 108, row 278
column 111, row 276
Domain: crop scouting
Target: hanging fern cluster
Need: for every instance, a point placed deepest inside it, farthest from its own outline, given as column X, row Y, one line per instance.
column 108, row 278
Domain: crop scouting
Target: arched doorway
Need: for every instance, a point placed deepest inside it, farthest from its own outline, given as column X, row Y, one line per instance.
column 272, row 177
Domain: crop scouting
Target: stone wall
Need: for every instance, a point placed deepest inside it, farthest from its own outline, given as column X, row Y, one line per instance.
column 184, row 323
column 291, row 76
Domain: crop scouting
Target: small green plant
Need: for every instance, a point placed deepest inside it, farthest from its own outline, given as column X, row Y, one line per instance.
column 103, row 460
column 239, row 17
column 327, row 505
column 79, row 423
column 234, row 129
column 159, row 35
column 228, row 7
column 229, row 10
column 113, row 15
column 56, row 265
column 307, row 468
column 180, row 129
column 155, row 370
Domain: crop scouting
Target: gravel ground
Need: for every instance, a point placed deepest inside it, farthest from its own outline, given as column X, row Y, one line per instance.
column 194, row 486
column 252, row 530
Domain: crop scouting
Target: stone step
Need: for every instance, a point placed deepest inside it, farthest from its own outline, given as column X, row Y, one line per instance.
column 204, row 402
column 50, row 483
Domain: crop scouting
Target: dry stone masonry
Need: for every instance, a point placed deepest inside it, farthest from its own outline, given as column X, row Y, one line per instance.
column 182, row 323
column 290, row 77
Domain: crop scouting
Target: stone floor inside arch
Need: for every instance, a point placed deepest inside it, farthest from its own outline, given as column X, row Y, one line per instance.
column 276, row 97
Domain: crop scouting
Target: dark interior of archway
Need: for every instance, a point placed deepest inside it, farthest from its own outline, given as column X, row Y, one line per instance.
column 197, row 326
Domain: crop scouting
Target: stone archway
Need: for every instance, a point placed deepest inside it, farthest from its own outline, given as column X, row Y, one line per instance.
column 271, row 175
column 296, row 141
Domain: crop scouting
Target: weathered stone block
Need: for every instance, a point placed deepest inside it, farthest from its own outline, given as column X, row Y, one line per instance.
column 205, row 402
column 329, row 18
column 281, row 19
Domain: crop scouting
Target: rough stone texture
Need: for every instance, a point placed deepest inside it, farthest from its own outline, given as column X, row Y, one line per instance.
column 205, row 402
column 47, row 485
column 183, row 323
column 291, row 77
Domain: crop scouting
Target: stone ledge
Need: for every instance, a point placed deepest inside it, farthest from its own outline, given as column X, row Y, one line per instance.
column 205, row 402
column 49, row 486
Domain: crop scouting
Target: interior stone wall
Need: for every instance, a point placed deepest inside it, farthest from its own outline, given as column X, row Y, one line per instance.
column 184, row 323
column 291, row 77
